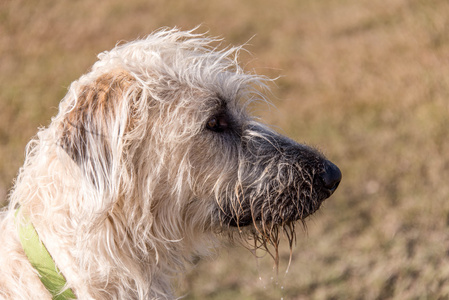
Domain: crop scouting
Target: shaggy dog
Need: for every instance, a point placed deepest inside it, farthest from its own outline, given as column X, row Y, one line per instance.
column 151, row 159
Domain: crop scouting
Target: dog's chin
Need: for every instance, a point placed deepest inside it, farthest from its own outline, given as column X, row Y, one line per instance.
column 280, row 219
column 245, row 221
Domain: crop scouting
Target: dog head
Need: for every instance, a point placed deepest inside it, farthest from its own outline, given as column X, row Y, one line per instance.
column 161, row 132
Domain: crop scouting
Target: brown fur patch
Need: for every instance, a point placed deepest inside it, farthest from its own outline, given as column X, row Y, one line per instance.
column 94, row 113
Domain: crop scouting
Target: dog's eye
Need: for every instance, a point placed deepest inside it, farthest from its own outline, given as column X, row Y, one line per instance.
column 217, row 123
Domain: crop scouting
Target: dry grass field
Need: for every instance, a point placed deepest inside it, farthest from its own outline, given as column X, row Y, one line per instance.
column 367, row 81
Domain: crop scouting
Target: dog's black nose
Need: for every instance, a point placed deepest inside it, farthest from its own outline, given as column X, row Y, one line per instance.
column 331, row 176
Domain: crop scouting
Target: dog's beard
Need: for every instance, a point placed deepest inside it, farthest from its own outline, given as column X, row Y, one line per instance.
column 264, row 236
column 265, row 221
column 267, row 211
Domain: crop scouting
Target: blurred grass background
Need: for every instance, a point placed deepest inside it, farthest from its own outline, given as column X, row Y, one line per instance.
column 365, row 81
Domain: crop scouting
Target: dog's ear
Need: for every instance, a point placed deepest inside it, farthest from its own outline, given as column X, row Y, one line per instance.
column 94, row 123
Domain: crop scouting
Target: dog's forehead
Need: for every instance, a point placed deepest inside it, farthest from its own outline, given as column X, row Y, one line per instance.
column 187, row 73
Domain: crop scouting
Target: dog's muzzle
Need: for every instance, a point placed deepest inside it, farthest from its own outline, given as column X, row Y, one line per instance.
column 281, row 181
column 291, row 205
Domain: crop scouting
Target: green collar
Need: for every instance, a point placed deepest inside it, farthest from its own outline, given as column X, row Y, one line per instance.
column 42, row 261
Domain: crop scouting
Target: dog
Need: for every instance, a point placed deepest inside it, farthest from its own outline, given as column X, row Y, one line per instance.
column 151, row 160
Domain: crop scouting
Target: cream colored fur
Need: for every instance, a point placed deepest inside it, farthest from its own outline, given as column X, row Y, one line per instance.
column 151, row 159
column 111, row 185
